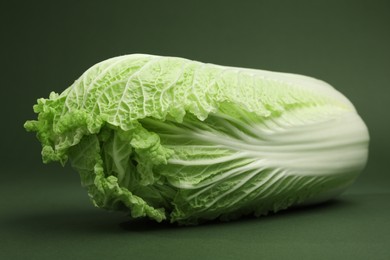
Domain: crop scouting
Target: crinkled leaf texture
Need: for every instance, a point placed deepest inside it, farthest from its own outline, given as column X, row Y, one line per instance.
column 170, row 138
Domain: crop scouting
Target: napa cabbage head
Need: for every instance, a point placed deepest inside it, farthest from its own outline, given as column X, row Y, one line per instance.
column 179, row 140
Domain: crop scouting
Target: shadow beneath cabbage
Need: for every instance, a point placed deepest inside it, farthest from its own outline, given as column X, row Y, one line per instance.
column 92, row 220
column 144, row 225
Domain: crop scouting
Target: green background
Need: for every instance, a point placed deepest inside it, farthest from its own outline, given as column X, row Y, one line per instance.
column 45, row 46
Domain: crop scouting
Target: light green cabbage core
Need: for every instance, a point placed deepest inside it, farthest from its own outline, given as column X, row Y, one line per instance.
column 170, row 138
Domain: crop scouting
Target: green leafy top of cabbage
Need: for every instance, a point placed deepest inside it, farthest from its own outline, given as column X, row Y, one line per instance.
column 170, row 138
